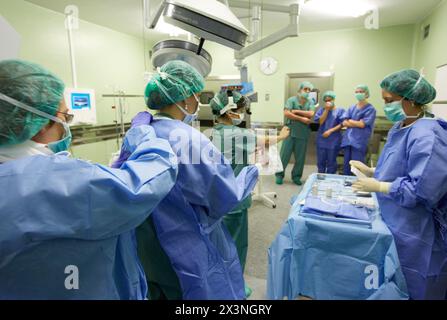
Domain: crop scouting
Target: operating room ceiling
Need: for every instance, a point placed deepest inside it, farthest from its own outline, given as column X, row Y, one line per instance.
column 126, row 15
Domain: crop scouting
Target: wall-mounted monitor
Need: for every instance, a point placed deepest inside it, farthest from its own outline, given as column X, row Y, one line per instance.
column 82, row 104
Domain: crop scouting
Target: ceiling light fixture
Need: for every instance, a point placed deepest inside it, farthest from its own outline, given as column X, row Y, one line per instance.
column 341, row 8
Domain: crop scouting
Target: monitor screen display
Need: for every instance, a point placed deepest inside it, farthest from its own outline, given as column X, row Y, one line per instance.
column 80, row 101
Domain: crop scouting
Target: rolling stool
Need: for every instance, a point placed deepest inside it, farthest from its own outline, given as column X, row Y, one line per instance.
column 269, row 163
column 264, row 197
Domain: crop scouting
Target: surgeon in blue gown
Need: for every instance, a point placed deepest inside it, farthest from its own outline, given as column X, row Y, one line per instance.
column 411, row 181
column 196, row 257
column 67, row 227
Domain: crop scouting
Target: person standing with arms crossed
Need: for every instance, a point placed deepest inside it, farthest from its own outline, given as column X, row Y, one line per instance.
column 359, row 121
column 299, row 111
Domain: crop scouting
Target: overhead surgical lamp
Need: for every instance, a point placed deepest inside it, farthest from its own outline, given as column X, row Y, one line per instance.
column 207, row 19
column 168, row 50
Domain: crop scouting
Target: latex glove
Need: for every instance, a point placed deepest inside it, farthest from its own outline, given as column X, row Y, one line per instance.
column 363, row 168
column 134, row 137
column 371, row 185
column 124, row 155
column 142, row 118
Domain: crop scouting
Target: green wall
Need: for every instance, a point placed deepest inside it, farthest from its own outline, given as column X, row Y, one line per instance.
column 106, row 60
column 432, row 52
column 355, row 56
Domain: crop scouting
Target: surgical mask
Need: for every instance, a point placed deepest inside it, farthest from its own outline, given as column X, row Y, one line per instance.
column 64, row 143
column 56, row 146
column 395, row 112
column 360, row 96
column 190, row 117
column 237, row 122
column 305, row 95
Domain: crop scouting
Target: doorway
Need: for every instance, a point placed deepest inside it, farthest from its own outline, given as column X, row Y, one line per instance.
column 323, row 81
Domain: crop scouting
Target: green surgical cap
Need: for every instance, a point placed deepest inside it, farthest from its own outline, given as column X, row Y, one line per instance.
column 32, row 85
column 174, row 82
column 306, row 84
column 410, row 85
column 365, row 88
column 329, row 94
column 221, row 100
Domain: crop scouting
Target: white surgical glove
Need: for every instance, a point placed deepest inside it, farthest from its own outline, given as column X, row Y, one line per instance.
column 363, row 168
column 371, row 185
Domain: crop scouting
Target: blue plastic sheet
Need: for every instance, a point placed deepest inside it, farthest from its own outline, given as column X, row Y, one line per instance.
column 329, row 260
column 336, row 208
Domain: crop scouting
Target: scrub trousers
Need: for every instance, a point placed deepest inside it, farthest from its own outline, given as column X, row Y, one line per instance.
column 237, row 225
column 327, row 160
column 352, row 153
column 161, row 278
column 299, row 148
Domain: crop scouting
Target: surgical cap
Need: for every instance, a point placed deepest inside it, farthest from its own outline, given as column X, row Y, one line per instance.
column 365, row 88
column 174, row 82
column 306, row 84
column 410, row 85
column 329, row 94
column 32, row 85
column 221, row 100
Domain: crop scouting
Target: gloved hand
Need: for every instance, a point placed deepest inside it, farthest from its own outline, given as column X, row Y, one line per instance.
column 134, row 137
column 363, row 168
column 124, row 155
column 142, row 118
column 371, row 185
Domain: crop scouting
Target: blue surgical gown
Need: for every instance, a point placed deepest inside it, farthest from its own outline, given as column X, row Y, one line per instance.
column 414, row 160
column 334, row 118
column 59, row 213
column 188, row 221
column 356, row 137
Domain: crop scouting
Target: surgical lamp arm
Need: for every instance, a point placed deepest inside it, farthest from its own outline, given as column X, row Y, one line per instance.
column 152, row 22
column 292, row 30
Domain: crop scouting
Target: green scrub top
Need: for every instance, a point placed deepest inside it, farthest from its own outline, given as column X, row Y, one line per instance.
column 237, row 145
column 298, row 129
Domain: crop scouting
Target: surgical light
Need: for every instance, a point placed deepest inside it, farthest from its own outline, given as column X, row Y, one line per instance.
column 207, row 19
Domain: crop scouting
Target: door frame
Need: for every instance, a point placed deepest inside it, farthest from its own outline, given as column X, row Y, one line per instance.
column 290, row 76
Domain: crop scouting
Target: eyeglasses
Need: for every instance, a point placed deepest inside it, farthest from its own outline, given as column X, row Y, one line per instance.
column 68, row 116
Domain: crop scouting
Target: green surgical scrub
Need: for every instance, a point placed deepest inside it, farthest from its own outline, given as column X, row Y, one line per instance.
column 167, row 286
column 237, row 145
column 296, row 143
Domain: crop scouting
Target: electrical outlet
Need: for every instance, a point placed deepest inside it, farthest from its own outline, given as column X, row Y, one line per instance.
column 267, row 97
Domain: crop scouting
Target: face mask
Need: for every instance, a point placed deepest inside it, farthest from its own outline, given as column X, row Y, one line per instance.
column 64, row 143
column 360, row 96
column 237, row 122
column 394, row 111
column 190, row 118
column 56, row 146
column 305, row 95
